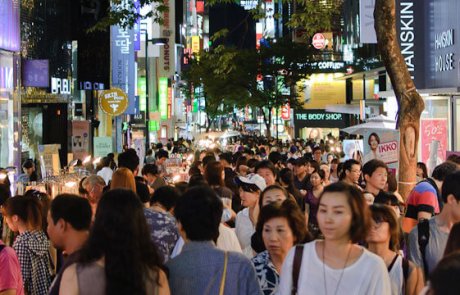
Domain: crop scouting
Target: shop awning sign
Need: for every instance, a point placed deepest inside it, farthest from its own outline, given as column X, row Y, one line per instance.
column 113, row 101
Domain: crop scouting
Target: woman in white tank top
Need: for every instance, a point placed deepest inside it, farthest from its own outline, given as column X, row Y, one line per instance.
column 383, row 240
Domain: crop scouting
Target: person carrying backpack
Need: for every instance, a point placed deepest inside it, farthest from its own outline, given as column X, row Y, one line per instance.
column 383, row 239
column 428, row 240
column 425, row 200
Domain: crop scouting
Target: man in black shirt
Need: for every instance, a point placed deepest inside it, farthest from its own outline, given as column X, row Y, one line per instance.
column 69, row 220
column 302, row 178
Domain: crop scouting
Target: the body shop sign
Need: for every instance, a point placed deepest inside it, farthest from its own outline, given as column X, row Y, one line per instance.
column 163, row 97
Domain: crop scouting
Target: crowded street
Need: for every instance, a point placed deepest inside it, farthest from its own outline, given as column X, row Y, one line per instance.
column 194, row 147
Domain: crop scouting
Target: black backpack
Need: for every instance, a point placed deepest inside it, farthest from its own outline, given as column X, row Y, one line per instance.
column 423, row 230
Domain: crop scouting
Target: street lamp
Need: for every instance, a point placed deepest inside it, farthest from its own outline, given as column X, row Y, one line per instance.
column 154, row 41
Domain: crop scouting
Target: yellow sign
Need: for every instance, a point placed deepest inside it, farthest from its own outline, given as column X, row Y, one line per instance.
column 113, row 101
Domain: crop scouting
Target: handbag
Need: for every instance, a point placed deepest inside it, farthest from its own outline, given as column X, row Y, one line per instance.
column 224, row 274
column 296, row 268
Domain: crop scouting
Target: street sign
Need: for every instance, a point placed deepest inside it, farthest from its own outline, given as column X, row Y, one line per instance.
column 113, row 101
column 319, row 41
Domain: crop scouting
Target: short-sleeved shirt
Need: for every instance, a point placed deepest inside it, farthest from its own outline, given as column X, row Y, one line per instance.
column 435, row 248
column 244, row 230
column 266, row 273
column 367, row 275
column 163, row 231
column 423, row 198
column 313, row 203
column 303, row 184
column 10, row 271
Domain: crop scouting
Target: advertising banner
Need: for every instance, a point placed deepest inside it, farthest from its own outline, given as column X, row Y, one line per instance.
column 353, row 149
column 163, row 97
column 10, row 38
column 50, row 164
column 102, row 146
column 382, row 145
column 35, row 73
column 366, row 22
column 432, row 131
column 167, row 52
column 123, row 67
column 80, row 139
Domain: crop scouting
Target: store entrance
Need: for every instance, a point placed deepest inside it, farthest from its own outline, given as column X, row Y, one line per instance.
column 44, row 124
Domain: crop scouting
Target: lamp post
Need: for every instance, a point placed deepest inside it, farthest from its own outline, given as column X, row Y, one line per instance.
column 154, row 41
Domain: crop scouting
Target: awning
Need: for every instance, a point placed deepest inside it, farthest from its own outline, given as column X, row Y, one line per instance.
column 426, row 92
column 343, row 108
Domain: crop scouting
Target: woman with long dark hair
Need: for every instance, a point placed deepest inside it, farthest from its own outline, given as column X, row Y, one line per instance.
column 119, row 256
column 286, row 178
column 24, row 215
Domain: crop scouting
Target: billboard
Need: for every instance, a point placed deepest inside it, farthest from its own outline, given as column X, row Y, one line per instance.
column 35, row 73
column 10, row 36
column 382, row 145
column 434, row 141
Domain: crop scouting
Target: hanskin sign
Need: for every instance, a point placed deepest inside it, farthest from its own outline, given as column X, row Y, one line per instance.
column 113, row 102
column 9, row 25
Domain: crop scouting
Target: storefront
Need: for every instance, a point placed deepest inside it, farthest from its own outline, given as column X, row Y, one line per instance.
column 10, row 106
column 432, row 57
column 317, row 124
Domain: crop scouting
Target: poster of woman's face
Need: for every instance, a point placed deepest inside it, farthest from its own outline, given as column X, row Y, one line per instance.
column 373, row 141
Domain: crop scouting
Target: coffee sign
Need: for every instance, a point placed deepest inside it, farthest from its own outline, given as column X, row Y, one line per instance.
column 113, row 101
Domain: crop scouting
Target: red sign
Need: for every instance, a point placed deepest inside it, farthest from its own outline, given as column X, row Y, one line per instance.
column 431, row 130
column 319, row 41
column 286, row 112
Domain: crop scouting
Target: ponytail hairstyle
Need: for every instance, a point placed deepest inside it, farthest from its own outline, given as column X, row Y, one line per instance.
column 27, row 208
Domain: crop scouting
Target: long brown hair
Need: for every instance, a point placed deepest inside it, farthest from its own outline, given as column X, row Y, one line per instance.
column 213, row 173
column 123, row 178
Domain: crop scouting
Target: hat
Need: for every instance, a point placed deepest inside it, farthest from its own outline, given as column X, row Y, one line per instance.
column 301, row 161
column 252, row 178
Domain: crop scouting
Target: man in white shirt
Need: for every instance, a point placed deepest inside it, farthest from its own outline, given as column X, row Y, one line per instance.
column 105, row 172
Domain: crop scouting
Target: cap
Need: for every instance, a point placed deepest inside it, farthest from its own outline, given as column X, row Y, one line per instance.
column 252, row 178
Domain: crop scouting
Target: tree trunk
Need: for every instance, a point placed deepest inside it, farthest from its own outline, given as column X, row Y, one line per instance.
column 267, row 123
column 410, row 102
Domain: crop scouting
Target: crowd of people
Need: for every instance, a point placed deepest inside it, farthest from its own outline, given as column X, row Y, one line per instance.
column 265, row 218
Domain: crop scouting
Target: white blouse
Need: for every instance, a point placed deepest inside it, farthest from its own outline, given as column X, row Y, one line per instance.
column 367, row 275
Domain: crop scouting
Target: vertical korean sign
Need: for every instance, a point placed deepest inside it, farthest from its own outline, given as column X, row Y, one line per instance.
column 123, row 68
column 163, row 97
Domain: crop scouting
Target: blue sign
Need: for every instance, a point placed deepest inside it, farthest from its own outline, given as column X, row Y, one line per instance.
column 123, row 68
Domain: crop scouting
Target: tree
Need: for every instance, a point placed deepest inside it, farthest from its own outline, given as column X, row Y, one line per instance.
column 409, row 100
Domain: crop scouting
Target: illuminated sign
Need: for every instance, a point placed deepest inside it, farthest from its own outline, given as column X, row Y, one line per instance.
column 113, row 101
column 86, row 85
column 142, row 92
column 444, row 62
column 169, row 102
column 163, row 97
column 60, row 86
column 9, row 25
column 195, row 44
